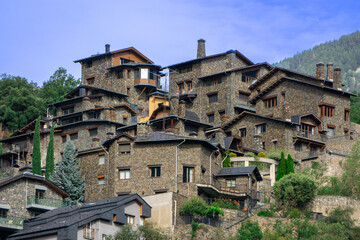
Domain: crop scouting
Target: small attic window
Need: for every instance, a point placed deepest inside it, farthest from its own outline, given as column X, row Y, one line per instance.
column 89, row 64
column 90, row 81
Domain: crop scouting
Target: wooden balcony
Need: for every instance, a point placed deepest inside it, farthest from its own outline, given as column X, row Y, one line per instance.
column 145, row 82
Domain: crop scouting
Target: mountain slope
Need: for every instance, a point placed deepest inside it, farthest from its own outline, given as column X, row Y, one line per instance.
column 344, row 53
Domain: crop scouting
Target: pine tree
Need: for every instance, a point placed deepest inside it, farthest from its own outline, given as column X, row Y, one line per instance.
column 50, row 154
column 290, row 166
column 68, row 177
column 36, row 156
column 281, row 171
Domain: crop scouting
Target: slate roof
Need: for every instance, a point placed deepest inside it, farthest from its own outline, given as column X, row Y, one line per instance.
column 239, row 171
column 192, row 116
column 91, row 87
column 60, row 218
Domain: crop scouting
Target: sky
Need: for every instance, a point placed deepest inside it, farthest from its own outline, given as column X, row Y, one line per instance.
column 39, row 36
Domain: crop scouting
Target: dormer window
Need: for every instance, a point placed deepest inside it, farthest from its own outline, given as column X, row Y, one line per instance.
column 124, row 60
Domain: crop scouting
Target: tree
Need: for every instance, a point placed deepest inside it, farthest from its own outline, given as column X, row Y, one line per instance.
column 36, row 155
column 50, row 154
column 281, row 171
column 227, row 162
column 249, row 230
column 59, row 84
column 68, row 177
column 290, row 166
column 294, row 190
column 351, row 176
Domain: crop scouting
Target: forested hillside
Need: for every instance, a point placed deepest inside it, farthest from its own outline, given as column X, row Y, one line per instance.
column 344, row 53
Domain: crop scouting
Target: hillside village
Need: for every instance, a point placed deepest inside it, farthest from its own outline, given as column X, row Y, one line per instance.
column 145, row 150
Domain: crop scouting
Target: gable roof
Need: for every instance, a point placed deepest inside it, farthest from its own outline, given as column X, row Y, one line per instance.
column 71, row 93
column 243, row 114
column 131, row 49
column 27, row 175
column 274, row 84
column 237, row 53
column 239, row 171
column 77, row 216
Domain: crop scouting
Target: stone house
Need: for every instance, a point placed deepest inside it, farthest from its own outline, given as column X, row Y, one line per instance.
column 92, row 220
column 24, row 196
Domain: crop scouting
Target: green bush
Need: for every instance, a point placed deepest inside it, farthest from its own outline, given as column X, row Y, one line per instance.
column 249, row 230
column 306, row 230
column 264, row 213
column 294, row 213
column 194, row 227
column 150, row 231
column 342, row 216
column 227, row 203
column 294, row 190
column 214, row 211
column 262, row 155
column 195, row 206
column 126, row 233
column 283, row 230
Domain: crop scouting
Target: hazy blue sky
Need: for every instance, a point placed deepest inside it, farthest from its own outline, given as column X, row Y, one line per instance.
column 39, row 36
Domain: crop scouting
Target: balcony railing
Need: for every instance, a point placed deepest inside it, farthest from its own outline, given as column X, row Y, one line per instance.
column 11, row 221
column 46, row 202
column 145, row 82
column 307, row 135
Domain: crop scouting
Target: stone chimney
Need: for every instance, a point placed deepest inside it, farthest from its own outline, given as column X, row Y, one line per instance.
column 201, row 48
column 219, row 137
column 142, row 130
column 337, row 78
column 174, row 106
column 107, row 48
column 285, row 111
column 330, row 71
column 320, row 70
column 181, row 112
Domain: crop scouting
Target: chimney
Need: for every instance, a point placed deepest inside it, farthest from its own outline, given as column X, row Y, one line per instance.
column 201, row 48
column 330, row 71
column 219, row 137
column 107, row 48
column 142, row 130
column 337, row 78
column 181, row 109
column 320, row 70
column 174, row 105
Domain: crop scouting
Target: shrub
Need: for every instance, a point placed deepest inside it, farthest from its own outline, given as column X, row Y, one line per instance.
column 261, row 154
column 281, row 171
column 214, row 211
column 249, row 230
column 342, row 216
column 195, row 206
column 294, row 190
column 227, row 203
column 264, row 213
column 150, row 231
column 306, row 230
column 294, row 213
column 283, row 230
column 194, row 227
column 126, row 233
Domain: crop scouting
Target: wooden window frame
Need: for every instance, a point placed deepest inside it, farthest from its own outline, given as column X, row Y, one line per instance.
column 346, row 114
column 242, row 132
column 270, row 102
column 327, row 110
column 188, row 174
column 126, row 176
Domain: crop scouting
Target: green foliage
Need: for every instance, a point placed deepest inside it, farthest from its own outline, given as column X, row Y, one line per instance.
column 281, row 171
column 261, row 154
column 342, row 216
column 275, row 153
column 294, row 213
column 214, row 211
column 194, row 227
column 50, row 154
column 36, row 156
column 343, row 53
column 283, row 230
column 351, row 176
column 67, row 175
column 294, row 190
column 306, row 230
column 249, row 230
column 150, row 231
column 126, row 233
column 290, row 166
column 227, row 203
column 267, row 213
column 195, row 206
column 226, row 162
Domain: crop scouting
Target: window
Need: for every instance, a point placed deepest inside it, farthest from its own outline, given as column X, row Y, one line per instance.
column 327, row 110
column 101, row 179
column 89, row 64
column 212, row 82
column 94, row 115
column 188, row 174
column 137, row 74
column 330, row 130
column 142, row 221
column 185, row 69
column 125, row 120
column 307, row 129
column 211, row 117
column 93, row 132
column 101, row 159
column 69, row 120
column 282, row 97
column 263, row 145
column 120, row 74
column 63, row 139
column 90, row 81
column 261, row 128
column 124, row 173
column 243, row 97
column 275, row 144
column 297, row 146
column 74, row 136
column 230, row 183
column 128, row 91
column 247, row 79
column 181, row 88
column 270, row 102
column 88, row 233
column 222, row 113
column 124, row 148
column 213, row 98
column 189, row 86
column 39, row 194
column 68, row 110
column 124, row 60
column 3, row 213
column 346, row 114
column 130, row 220
column 155, row 171
column 242, row 132
column 152, row 74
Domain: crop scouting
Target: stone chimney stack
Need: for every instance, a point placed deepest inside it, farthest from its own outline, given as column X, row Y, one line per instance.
column 320, row 70
column 174, row 106
column 337, row 78
column 107, row 48
column 142, row 130
column 201, row 48
column 330, row 71
column 181, row 109
column 219, row 137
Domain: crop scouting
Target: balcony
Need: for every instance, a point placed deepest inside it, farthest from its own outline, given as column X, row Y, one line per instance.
column 309, row 135
column 187, row 94
column 11, row 224
column 145, row 82
column 44, row 204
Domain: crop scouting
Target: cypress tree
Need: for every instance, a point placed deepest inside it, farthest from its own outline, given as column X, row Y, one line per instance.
column 36, row 156
column 50, row 154
column 67, row 175
column 281, row 171
column 290, row 166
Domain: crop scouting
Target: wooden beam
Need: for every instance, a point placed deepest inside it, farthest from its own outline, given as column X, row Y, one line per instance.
column 142, row 92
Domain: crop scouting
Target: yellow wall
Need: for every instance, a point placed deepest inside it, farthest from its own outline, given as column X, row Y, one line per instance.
column 153, row 105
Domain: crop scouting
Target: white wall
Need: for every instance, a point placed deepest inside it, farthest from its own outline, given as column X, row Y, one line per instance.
column 161, row 211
